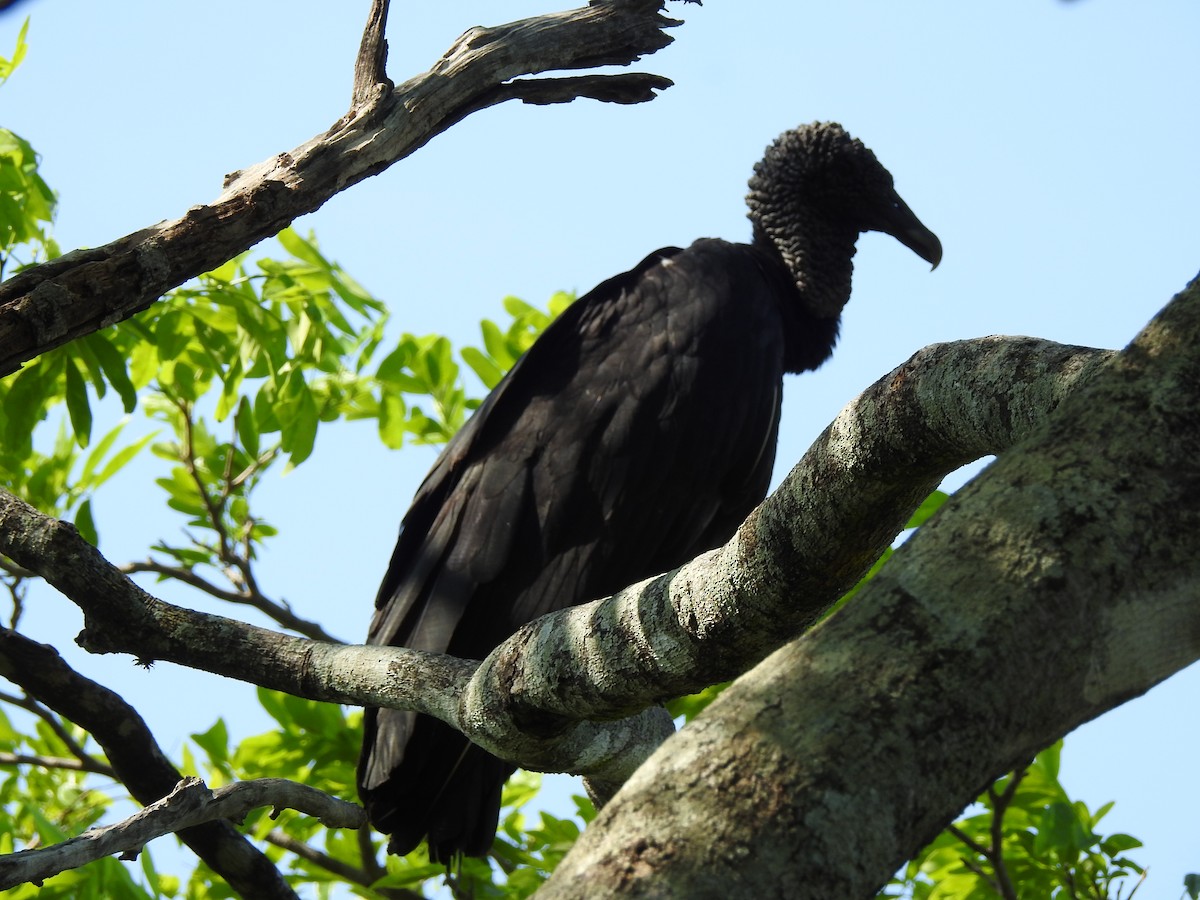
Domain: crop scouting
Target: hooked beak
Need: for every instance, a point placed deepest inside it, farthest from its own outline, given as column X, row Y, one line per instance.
column 902, row 223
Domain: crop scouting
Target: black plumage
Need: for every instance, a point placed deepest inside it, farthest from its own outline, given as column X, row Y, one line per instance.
column 638, row 431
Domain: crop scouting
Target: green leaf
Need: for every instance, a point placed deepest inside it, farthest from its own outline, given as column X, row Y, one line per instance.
column 1191, row 884
column 86, row 476
column 121, row 459
column 1119, row 843
column 1101, row 812
column 86, row 524
column 215, row 743
column 8, row 66
column 407, row 875
column 232, row 381
column 161, row 885
column 143, row 362
column 297, row 414
column 928, row 507
column 691, row 706
column 521, row 788
column 392, row 421
column 247, row 427
column 584, row 808
column 81, row 352
column 300, row 248
column 77, row 404
column 112, row 362
column 489, row 373
column 1050, row 760
column 29, row 393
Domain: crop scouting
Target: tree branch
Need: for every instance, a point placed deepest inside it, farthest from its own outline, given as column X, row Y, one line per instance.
column 57, row 762
column 190, row 804
column 30, row 704
column 370, row 68
column 704, row 623
column 82, row 291
column 800, row 551
column 1000, row 803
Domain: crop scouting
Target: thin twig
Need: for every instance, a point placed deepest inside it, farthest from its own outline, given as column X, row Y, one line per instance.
column 366, row 851
column 979, row 870
column 57, row 762
column 1000, row 803
column 965, row 838
column 365, row 877
column 279, row 611
column 240, row 572
column 30, row 704
column 188, row 458
column 11, row 568
column 187, row 576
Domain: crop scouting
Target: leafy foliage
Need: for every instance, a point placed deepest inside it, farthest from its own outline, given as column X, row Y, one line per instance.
column 26, row 202
column 48, row 804
column 502, row 347
column 237, row 374
column 1028, row 834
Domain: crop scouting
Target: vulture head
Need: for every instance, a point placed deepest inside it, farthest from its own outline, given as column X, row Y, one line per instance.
column 813, row 193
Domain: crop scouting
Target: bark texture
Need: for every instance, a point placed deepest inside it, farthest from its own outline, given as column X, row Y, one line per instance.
column 547, row 697
column 1059, row 584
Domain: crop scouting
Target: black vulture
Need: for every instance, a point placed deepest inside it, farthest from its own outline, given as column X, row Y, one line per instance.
column 638, row 431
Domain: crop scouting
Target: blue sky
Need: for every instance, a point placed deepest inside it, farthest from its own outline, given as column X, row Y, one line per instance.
column 1051, row 146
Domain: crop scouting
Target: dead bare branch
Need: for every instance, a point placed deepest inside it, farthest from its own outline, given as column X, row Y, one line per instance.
column 370, row 68
column 189, row 805
column 82, row 291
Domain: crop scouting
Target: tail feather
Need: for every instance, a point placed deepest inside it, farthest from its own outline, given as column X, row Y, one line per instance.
column 420, row 778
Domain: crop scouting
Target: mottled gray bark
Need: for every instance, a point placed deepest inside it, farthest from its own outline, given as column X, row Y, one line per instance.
column 1068, row 564
column 1060, row 583
column 547, row 697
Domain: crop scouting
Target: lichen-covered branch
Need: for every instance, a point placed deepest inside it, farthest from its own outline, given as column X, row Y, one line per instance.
column 1060, row 583
column 48, row 305
column 706, row 622
column 189, row 805
column 801, row 550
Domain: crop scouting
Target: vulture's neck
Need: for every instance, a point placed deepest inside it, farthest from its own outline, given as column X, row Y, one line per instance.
column 819, row 270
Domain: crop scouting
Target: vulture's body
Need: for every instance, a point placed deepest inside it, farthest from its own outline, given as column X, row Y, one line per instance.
column 638, row 431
